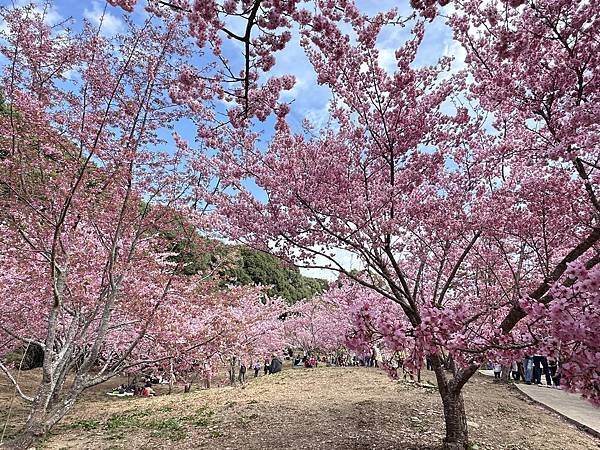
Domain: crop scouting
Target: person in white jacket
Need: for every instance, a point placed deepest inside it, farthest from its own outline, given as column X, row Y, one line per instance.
column 497, row 370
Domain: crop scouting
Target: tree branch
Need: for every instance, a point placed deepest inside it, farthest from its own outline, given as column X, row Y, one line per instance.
column 14, row 382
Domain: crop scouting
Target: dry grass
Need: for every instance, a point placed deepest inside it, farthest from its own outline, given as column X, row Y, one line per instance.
column 326, row 408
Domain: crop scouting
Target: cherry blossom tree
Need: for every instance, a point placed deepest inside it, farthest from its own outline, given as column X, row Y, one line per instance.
column 366, row 185
column 252, row 327
column 317, row 325
column 349, row 317
column 471, row 202
column 213, row 327
column 85, row 196
column 534, row 66
column 416, row 196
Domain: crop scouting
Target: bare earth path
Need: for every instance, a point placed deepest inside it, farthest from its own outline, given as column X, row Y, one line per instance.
column 326, row 408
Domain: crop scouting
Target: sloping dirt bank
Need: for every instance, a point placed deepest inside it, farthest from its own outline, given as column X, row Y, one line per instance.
column 325, row 408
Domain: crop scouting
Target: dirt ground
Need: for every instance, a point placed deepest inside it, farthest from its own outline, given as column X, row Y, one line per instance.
column 324, row 408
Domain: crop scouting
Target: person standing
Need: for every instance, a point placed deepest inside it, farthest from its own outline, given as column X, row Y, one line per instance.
column 497, row 371
column 428, row 364
column 528, row 368
column 266, row 365
column 207, row 374
column 537, row 370
column 242, row 373
column 376, row 356
column 554, row 372
column 256, row 368
column 276, row 364
column 516, row 375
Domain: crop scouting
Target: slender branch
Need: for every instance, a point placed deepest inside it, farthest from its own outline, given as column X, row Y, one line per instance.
column 457, row 266
column 14, row 382
column 20, row 338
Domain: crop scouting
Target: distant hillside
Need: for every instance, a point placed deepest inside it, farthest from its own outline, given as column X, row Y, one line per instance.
column 254, row 267
column 240, row 265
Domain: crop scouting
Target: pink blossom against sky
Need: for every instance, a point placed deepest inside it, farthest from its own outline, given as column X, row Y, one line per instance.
column 308, row 99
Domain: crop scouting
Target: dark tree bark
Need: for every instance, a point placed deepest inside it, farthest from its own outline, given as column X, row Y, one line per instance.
column 457, row 436
column 455, row 417
column 41, row 419
column 233, row 370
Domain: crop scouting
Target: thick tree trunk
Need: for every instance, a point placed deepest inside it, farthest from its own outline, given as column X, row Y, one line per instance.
column 36, row 428
column 29, row 437
column 233, row 365
column 457, row 437
column 506, row 374
column 455, row 417
column 43, row 416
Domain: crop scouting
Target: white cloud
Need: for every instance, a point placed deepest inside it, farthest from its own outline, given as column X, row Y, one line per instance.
column 310, row 100
column 387, row 60
column 455, row 50
column 51, row 15
column 111, row 24
column 349, row 261
column 317, row 265
column 49, row 12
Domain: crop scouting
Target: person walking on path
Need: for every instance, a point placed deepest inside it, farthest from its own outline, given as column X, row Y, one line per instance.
column 537, row 370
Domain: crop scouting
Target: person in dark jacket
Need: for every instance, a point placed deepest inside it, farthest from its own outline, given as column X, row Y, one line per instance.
column 537, row 370
column 242, row 373
column 276, row 364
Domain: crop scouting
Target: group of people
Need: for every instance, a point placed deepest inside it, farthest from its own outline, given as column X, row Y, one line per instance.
column 310, row 361
column 344, row 359
column 531, row 368
column 340, row 359
column 358, row 361
column 269, row 366
column 134, row 389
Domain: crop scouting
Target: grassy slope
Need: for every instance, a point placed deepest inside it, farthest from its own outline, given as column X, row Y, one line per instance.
column 339, row 408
